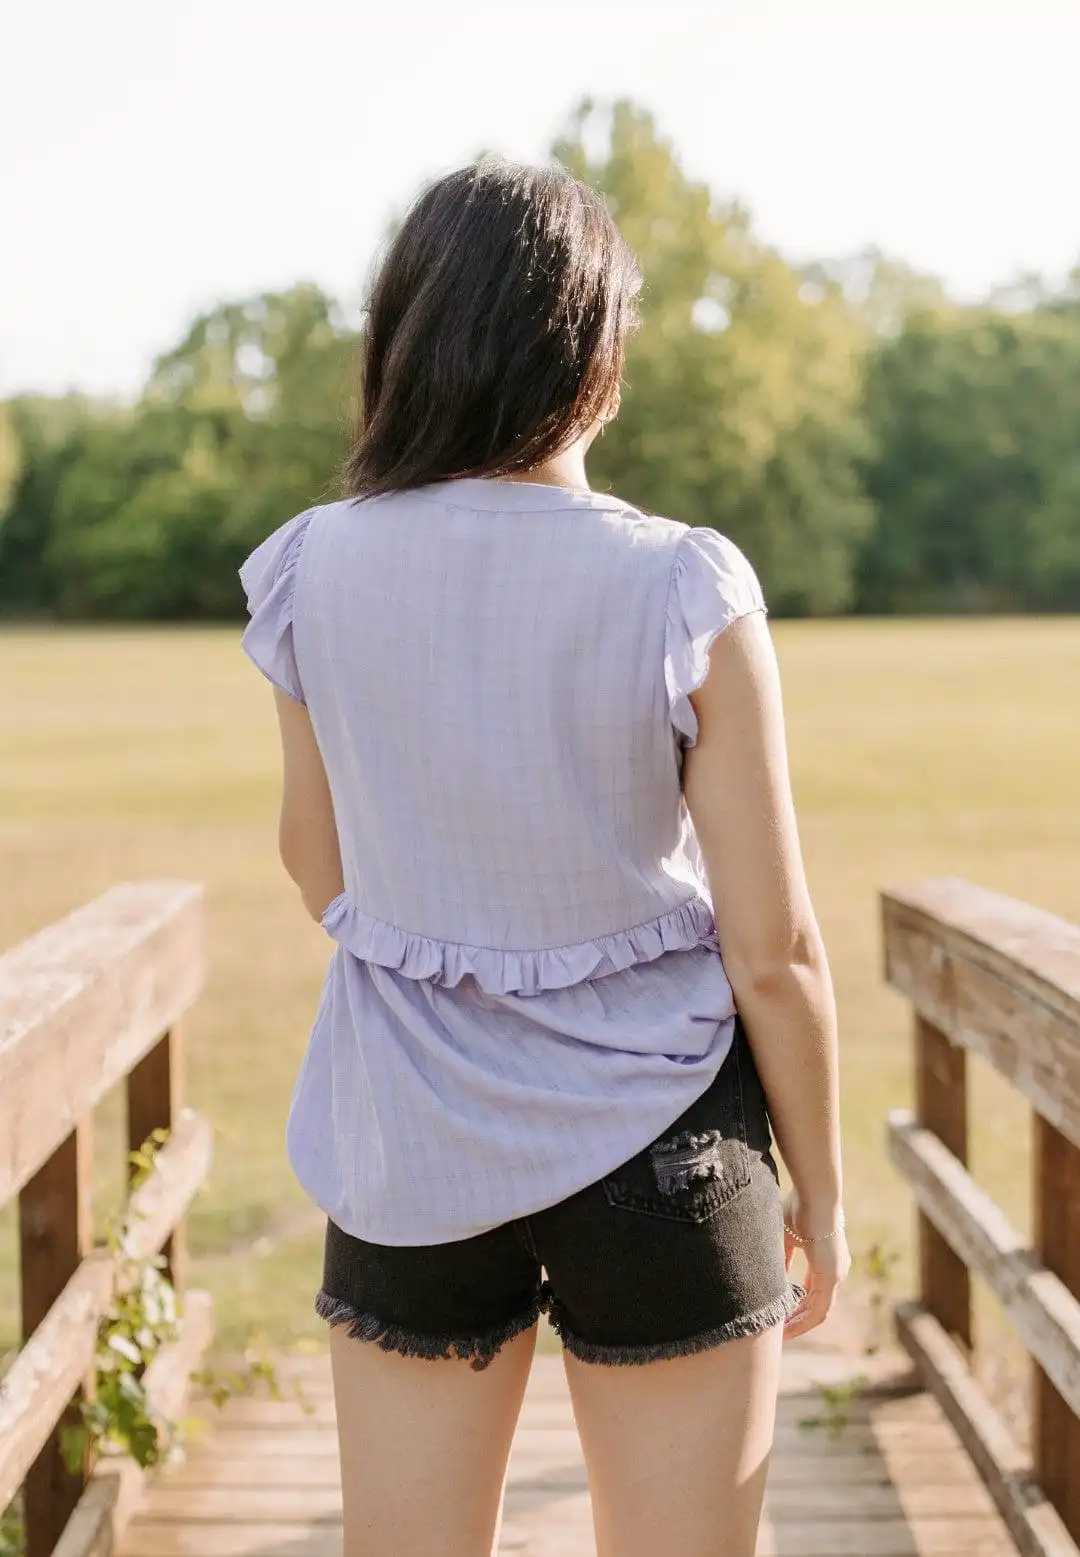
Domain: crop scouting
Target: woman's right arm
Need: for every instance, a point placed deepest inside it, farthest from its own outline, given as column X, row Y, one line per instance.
column 739, row 794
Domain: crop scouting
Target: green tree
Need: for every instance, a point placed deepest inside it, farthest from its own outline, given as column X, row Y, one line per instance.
column 11, row 455
column 740, row 408
column 867, row 442
column 151, row 511
column 272, row 377
column 40, row 445
column 144, row 514
column 881, row 293
column 976, row 474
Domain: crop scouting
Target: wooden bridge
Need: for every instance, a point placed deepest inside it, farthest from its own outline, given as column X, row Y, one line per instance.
column 897, row 1454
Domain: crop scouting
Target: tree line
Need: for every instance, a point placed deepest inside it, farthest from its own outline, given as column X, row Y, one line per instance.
column 871, row 444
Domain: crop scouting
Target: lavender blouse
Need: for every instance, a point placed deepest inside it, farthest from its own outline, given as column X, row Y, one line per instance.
column 526, row 987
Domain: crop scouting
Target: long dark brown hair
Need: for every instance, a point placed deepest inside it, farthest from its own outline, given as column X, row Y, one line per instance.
column 496, row 328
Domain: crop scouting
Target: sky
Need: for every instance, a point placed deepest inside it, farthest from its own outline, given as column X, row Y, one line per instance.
column 160, row 156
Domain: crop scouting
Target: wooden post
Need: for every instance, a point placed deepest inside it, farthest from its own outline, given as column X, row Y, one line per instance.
column 941, row 1106
column 55, row 1234
column 154, row 1101
column 1056, row 1431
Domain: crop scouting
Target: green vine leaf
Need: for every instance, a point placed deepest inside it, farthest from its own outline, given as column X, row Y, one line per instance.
column 74, row 1440
column 12, row 1532
column 143, row 1317
column 127, row 1349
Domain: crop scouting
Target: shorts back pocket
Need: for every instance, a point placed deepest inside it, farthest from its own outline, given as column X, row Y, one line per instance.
column 698, row 1166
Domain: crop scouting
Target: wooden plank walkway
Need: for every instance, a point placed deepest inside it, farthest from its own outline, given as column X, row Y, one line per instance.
column 893, row 1482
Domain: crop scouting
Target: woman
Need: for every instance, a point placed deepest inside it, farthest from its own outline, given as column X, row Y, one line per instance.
column 521, row 723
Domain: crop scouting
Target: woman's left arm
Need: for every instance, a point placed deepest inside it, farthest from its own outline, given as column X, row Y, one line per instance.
column 307, row 834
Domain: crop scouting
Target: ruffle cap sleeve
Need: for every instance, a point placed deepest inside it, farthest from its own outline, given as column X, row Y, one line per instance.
column 712, row 585
column 269, row 580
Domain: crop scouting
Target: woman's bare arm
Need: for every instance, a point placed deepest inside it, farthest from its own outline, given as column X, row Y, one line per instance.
column 739, row 794
column 308, row 833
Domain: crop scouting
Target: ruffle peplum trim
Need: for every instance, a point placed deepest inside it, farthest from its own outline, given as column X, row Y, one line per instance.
column 503, row 972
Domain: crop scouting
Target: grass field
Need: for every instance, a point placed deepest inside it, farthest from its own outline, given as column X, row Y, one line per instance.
column 949, row 748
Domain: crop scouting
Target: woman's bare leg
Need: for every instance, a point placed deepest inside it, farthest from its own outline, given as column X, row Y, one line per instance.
column 677, row 1451
column 424, row 1447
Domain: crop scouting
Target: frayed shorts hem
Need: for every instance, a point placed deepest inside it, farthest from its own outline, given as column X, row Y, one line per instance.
column 481, row 1350
column 477, row 1350
column 705, row 1340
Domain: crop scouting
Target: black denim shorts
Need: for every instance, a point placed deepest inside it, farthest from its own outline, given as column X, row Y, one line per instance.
column 678, row 1250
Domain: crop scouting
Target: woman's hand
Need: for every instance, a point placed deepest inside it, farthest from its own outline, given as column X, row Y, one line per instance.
column 828, row 1261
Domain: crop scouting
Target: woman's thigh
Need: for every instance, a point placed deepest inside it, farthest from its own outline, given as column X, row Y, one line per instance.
column 424, row 1447
column 669, row 1289
column 677, row 1451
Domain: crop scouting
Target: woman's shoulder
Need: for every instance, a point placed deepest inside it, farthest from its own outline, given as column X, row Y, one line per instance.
column 694, row 550
column 625, row 525
column 274, row 561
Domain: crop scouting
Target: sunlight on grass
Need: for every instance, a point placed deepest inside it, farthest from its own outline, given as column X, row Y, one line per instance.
column 945, row 748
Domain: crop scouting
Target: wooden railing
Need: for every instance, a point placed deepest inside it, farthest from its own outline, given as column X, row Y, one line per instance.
column 91, row 1001
column 1000, row 979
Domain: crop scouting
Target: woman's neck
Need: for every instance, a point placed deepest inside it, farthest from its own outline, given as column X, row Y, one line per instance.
column 565, row 469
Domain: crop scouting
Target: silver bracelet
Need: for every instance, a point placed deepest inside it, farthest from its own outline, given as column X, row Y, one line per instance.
column 804, row 1243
